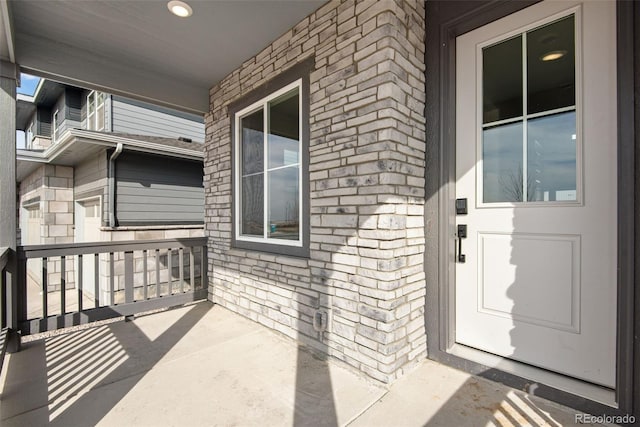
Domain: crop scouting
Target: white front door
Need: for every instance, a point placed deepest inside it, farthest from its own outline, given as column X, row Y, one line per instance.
column 536, row 163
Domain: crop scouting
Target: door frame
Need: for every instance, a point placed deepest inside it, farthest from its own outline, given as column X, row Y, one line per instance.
column 444, row 22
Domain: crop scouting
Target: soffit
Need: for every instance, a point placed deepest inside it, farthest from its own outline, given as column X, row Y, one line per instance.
column 138, row 49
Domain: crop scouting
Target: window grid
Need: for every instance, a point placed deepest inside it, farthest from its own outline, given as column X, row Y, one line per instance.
column 525, row 117
column 263, row 105
column 95, row 111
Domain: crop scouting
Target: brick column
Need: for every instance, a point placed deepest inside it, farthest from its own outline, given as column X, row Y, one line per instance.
column 366, row 178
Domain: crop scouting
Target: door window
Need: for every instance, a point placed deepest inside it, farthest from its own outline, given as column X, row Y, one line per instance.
column 530, row 147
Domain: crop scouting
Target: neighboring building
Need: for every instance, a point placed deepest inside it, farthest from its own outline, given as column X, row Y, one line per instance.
column 98, row 167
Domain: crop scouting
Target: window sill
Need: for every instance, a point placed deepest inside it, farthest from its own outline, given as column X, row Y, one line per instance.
column 153, row 227
column 273, row 249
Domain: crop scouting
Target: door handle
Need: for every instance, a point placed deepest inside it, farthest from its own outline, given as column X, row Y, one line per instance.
column 462, row 234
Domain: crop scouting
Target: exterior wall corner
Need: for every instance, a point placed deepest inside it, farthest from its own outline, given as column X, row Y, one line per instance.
column 366, row 178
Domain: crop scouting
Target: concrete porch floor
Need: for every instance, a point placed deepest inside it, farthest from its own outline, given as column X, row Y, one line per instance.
column 202, row 365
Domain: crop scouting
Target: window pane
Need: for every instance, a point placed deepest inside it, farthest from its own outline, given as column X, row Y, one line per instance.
column 502, row 163
column 552, row 157
column 284, row 208
column 100, row 117
column 502, row 80
column 551, row 66
column 284, row 130
column 252, row 222
column 252, row 147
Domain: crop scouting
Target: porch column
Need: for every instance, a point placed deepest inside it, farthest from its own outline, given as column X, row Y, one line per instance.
column 9, row 75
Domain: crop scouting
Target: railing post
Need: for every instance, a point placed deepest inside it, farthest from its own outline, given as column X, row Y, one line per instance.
column 15, row 297
column 204, row 268
column 3, row 289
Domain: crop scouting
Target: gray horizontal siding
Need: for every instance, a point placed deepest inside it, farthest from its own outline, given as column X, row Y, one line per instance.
column 90, row 177
column 91, row 173
column 154, row 190
column 73, row 104
column 43, row 121
column 68, row 124
column 69, row 111
column 134, row 118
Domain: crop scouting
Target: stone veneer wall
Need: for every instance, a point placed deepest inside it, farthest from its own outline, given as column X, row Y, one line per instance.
column 367, row 129
column 147, row 233
column 53, row 187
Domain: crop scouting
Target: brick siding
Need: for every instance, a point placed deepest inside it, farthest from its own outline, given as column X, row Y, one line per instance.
column 367, row 133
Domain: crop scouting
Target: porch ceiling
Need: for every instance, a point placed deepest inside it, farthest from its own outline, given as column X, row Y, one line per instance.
column 139, row 49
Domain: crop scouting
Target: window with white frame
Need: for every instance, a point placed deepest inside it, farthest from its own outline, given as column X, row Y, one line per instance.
column 54, row 127
column 95, row 111
column 28, row 139
column 269, row 169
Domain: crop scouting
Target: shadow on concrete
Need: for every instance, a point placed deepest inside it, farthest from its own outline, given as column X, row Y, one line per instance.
column 477, row 402
column 314, row 394
column 56, row 375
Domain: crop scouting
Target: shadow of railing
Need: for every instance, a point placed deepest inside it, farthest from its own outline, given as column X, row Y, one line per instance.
column 57, row 374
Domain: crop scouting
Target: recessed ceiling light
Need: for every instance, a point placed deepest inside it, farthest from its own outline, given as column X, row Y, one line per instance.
column 553, row 55
column 180, row 8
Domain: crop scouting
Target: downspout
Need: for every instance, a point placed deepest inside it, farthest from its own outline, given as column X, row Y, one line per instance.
column 112, row 184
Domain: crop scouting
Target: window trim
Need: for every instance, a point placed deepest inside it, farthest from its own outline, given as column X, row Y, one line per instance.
column 92, row 117
column 83, row 202
column 54, row 126
column 28, row 137
column 263, row 104
column 296, row 76
column 576, row 12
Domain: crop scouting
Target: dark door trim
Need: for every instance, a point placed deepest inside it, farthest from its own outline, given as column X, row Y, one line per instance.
column 444, row 22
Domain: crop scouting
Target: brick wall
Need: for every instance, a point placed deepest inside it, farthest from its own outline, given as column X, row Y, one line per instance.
column 367, row 133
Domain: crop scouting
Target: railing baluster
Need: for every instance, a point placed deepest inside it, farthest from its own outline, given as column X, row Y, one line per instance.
column 63, row 285
column 181, row 268
column 157, row 255
column 112, row 278
column 14, row 291
column 170, row 269
column 45, row 288
column 96, row 280
column 80, row 278
column 128, row 276
column 145, row 275
column 192, row 269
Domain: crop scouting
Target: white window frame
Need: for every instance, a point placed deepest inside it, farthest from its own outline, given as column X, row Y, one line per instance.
column 28, row 137
column 92, row 116
column 262, row 104
column 54, row 126
column 577, row 108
